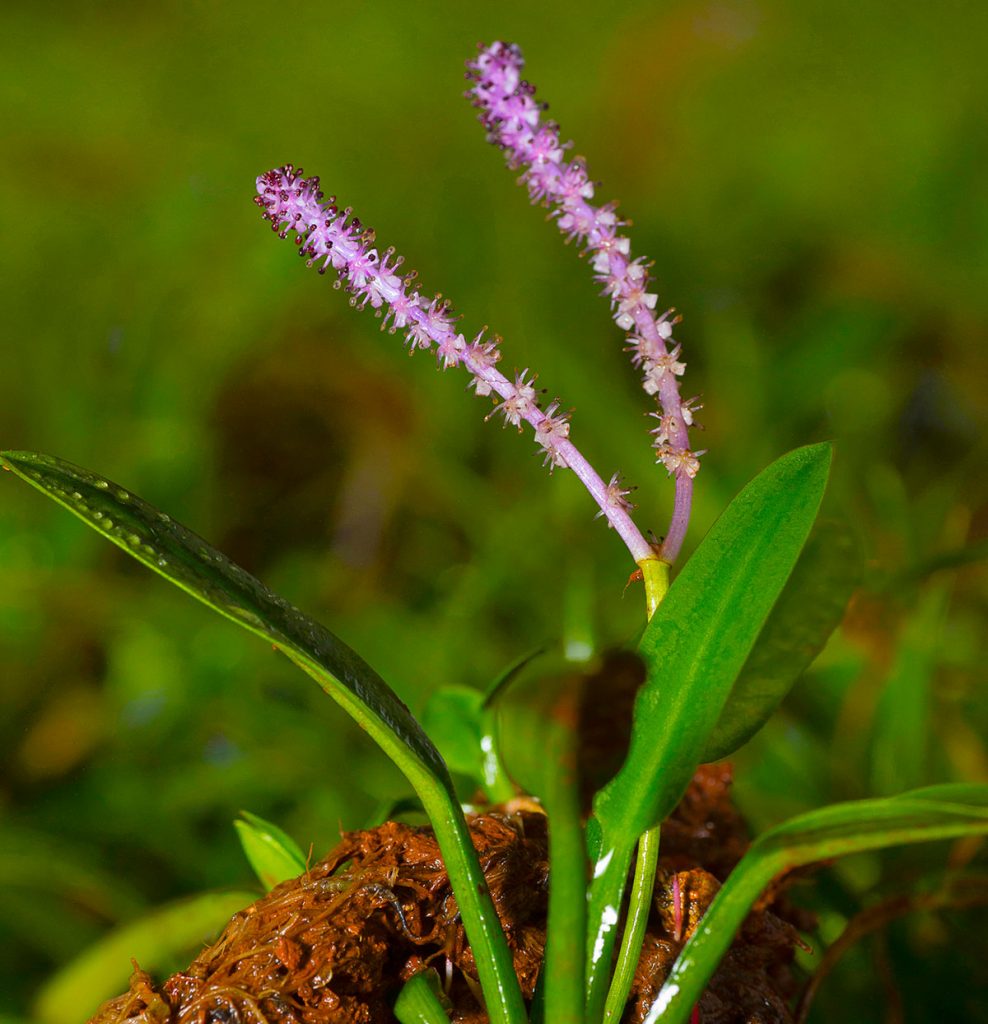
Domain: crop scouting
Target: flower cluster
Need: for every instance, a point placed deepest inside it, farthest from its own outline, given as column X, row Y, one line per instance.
column 334, row 239
column 513, row 119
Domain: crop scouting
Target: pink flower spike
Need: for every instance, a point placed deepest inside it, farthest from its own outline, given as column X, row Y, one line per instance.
column 330, row 238
column 513, row 120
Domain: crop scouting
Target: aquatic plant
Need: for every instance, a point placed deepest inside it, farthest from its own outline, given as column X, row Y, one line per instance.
column 719, row 649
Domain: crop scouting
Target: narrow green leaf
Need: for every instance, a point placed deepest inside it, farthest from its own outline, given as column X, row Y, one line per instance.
column 507, row 676
column 919, row 816
column 421, row 1000
column 185, row 559
column 808, row 610
column 272, row 853
column 161, row 938
column 694, row 647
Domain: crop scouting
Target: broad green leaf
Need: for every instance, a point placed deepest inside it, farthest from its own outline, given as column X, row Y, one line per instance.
column 694, row 647
column 185, row 559
column 940, row 812
column 808, row 610
column 700, row 637
column 272, row 853
column 161, row 938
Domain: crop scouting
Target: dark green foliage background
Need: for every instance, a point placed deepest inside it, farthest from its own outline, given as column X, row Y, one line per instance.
column 809, row 179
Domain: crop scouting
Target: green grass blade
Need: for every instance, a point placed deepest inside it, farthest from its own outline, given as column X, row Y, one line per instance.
column 272, row 853
column 157, row 940
column 808, row 610
column 919, row 816
column 185, row 559
column 694, row 647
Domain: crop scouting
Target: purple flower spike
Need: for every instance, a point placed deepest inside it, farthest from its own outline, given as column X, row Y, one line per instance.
column 514, row 122
column 333, row 239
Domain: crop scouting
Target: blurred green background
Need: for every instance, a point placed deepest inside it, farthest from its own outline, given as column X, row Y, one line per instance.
column 810, row 179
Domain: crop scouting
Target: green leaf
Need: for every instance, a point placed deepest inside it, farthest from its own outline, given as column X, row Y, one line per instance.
column 694, row 647
column 166, row 935
column 272, row 853
column 703, row 632
column 461, row 722
column 808, row 610
column 940, row 812
column 452, row 717
column 185, row 559
column 421, row 1000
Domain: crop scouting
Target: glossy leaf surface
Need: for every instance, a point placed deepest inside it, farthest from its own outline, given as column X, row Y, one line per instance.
column 700, row 637
column 808, row 610
column 188, row 561
column 940, row 812
column 185, row 559
column 272, row 853
column 694, row 647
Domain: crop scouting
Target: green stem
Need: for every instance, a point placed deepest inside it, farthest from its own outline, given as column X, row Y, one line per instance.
column 495, row 965
column 611, row 870
column 640, row 903
column 567, row 922
column 604, row 910
column 655, row 574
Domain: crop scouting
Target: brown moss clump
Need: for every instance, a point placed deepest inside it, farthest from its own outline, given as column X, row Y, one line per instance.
column 335, row 945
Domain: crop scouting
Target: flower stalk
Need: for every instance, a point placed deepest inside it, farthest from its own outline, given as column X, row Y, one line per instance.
column 334, row 239
column 514, row 122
